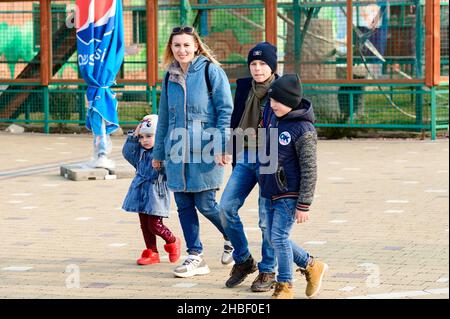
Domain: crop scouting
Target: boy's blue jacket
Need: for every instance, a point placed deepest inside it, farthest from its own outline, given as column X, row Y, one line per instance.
column 243, row 87
column 148, row 192
column 295, row 130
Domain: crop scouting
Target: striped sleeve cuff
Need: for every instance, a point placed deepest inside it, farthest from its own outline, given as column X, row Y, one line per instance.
column 302, row 207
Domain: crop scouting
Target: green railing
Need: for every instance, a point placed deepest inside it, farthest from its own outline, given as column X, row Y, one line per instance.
column 351, row 106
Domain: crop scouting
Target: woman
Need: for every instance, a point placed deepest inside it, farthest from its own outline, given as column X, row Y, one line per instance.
column 187, row 114
column 250, row 100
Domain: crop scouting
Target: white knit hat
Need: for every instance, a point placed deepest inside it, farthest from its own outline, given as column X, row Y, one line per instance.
column 149, row 123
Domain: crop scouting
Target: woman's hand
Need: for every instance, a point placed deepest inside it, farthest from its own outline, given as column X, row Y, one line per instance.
column 222, row 159
column 301, row 216
column 156, row 164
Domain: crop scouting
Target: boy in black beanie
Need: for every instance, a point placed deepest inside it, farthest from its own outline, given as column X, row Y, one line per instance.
column 249, row 102
column 266, row 52
column 290, row 190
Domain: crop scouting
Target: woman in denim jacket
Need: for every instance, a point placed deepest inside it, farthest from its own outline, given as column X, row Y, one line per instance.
column 192, row 119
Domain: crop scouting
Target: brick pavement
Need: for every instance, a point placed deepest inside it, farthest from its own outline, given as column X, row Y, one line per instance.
column 379, row 219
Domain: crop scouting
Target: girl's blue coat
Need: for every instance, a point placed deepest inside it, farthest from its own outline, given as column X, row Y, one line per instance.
column 148, row 192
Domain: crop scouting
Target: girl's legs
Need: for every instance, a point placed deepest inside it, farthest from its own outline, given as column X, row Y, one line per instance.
column 150, row 255
column 149, row 236
column 173, row 245
column 156, row 226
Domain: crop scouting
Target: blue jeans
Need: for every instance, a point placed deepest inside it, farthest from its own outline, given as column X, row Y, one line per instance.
column 242, row 180
column 281, row 217
column 206, row 203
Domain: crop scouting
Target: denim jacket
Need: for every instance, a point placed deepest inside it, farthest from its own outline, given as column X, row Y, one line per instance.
column 148, row 192
column 185, row 104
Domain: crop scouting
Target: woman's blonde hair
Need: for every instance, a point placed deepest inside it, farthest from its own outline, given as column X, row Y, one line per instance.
column 203, row 49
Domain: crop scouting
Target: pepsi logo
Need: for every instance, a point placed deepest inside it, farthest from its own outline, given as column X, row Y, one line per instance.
column 95, row 19
column 92, row 11
column 84, row 59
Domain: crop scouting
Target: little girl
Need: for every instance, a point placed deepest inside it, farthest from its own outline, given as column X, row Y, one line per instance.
column 148, row 194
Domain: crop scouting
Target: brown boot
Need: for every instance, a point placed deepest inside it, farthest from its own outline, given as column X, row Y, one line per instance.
column 264, row 282
column 314, row 273
column 240, row 271
column 283, row 290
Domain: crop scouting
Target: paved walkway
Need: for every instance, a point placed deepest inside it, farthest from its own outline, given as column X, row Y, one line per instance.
column 380, row 220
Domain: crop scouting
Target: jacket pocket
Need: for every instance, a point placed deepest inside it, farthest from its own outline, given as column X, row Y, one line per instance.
column 199, row 136
column 160, row 184
column 281, row 179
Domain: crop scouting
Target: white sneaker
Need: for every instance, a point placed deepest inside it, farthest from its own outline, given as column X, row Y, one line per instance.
column 193, row 265
column 104, row 162
column 227, row 256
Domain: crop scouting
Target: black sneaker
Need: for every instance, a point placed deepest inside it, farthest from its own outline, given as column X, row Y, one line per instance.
column 264, row 282
column 240, row 272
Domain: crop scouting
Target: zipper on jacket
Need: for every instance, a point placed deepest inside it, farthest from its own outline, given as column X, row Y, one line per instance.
column 280, row 175
column 281, row 179
column 186, row 128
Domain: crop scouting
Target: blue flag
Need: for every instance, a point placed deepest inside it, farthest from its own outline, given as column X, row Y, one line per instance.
column 100, row 42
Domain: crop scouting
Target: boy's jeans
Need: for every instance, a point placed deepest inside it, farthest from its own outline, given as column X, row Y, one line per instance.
column 281, row 217
column 187, row 213
column 242, row 180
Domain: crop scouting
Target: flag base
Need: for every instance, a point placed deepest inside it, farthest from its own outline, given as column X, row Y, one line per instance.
column 103, row 162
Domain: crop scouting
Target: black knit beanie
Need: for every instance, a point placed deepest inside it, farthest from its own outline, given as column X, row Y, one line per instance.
column 266, row 52
column 287, row 90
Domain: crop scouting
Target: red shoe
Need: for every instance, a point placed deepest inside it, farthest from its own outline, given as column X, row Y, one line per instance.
column 174, row 250
column 148, row 257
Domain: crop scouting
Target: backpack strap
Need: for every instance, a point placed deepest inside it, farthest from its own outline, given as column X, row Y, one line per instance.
column 166, row 81
column 208, row 81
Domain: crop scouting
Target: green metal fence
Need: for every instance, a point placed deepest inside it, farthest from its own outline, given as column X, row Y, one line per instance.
column 354, row 106
column 311, row 40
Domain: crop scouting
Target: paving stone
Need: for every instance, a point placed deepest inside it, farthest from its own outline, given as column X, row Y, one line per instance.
column 401, row 245
column 25, row 244
column 350, row 275
column 393, row 248
column 86, row 174
column 76, row 260
column 123, row 172
column 82, row 172
column 98, row 285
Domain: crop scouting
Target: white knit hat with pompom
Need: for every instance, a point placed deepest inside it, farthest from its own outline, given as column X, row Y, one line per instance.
column 149, row 123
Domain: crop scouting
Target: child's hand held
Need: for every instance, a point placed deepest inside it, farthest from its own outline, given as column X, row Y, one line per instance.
column 156, row 164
